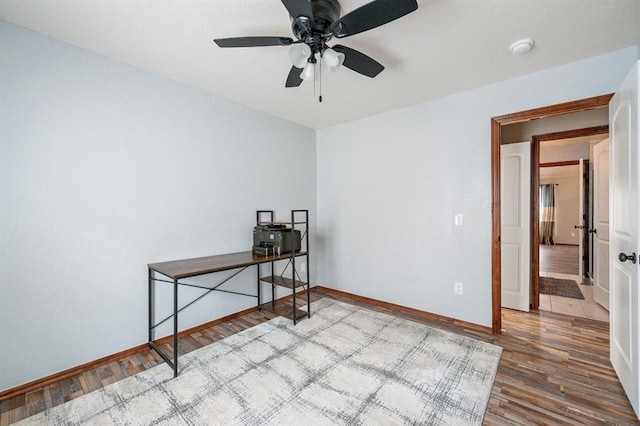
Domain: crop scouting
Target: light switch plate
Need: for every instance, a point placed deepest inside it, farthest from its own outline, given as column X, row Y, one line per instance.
column 457, row 219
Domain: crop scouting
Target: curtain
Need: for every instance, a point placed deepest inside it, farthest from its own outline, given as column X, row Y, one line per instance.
column 547, row 214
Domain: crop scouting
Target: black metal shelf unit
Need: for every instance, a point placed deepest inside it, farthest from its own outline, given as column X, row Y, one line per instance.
column 299, row 219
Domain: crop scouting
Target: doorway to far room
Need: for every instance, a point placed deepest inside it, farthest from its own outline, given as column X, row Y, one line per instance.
column 563, row 272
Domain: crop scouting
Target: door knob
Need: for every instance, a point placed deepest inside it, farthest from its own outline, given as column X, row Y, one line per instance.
column 579, row 226
column 593, row 231
column 622, row 257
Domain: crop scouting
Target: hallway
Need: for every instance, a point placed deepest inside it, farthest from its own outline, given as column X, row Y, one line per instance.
column 561, row 261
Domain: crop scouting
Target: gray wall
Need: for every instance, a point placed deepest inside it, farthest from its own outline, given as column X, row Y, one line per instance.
column 105, row 168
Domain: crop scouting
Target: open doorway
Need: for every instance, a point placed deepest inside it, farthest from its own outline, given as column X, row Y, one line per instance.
column 561, row 161
column 496, row 135
column 566, row 229
column 559, row 200
column 563, row 204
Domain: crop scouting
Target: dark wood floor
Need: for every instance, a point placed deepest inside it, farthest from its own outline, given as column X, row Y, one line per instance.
column 562, row 259
column 554, row 370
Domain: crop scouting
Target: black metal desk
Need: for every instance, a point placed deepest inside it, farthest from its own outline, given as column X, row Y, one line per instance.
column 180, row 269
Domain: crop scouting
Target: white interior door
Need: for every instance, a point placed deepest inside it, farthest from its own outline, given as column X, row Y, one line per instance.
column 623, row 236
column 515, row 195
column 601, row 223
column 581, row 221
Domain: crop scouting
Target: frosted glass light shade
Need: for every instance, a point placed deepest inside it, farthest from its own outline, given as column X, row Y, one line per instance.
column 309, row 72
column 333, row 59
column 299, row 54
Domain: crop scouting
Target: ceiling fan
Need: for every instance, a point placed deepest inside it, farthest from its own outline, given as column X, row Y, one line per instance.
column 314, row 23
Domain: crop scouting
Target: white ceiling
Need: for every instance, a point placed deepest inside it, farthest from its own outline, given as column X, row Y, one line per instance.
column 446, row 46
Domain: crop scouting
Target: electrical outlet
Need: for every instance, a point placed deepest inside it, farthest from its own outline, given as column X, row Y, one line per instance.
column 303, row 267
column 457, row 219
column 457, row 288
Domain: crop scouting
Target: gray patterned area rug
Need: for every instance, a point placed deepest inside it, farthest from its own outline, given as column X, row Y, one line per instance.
column 344, row 365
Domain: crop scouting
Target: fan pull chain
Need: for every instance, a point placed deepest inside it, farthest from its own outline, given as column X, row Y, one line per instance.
column 320, row 77
column 314, row 79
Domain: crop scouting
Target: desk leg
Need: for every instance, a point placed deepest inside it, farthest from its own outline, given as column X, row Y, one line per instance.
column 150, row 305
column 308, row 300
column 308, row 282
column 273, row 289
column 293, row 294
column 175, row 328
column 259, row 286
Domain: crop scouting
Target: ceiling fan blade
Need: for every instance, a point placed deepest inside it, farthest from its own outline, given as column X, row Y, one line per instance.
column 359, row 62
column 253, row 41
column 294, row 79
column 299, row 8
column 372, row 15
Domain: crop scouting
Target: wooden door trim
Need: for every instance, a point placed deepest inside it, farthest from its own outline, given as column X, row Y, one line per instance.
column 553, row 110
column 560, row 163
column 496, row 125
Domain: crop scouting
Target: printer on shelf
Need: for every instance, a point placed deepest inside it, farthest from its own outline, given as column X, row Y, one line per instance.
column 275, row 239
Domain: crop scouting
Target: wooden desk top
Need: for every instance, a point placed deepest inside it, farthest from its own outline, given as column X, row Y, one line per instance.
column 185, row 268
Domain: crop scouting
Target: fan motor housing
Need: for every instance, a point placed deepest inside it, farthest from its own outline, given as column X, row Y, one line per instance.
column 325, row 12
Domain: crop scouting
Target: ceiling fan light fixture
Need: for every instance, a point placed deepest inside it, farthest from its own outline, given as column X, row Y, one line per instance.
column 299, row 54
column 333, row 59
column 309, row 72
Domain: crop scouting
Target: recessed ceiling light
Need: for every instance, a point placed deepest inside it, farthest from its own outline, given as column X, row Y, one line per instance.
column 521, row 47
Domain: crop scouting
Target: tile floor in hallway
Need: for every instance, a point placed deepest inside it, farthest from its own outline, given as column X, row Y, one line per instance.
column 586, row 308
